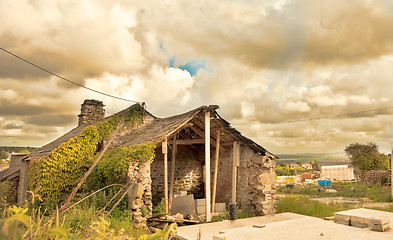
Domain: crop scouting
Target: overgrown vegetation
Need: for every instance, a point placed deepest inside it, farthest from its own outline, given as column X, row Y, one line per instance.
column 303, row 205
column 374, row 191
column 18, row 223
column 114, row 165
column 55, row 175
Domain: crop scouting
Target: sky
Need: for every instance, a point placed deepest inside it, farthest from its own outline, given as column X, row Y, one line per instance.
column 265, row 63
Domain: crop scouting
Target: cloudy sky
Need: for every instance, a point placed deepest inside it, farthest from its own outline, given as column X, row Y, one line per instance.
column 264, row 62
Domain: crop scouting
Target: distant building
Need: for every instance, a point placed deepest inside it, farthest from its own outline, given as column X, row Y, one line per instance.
column 293, row 165
column 307, row 165
column 338, row 172
column 317, row 165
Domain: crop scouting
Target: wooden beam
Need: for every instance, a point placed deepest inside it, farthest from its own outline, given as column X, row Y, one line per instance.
column 207, row 166
column 173, row 160
column 234, row 170
column 190, row 141
column 165, row 152
column 216, row 169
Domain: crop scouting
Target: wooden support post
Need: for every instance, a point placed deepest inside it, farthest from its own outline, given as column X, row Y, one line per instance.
column 216, row 169
column 207, row 166
column 165, row 152
column 173, row 160
column 234, row 169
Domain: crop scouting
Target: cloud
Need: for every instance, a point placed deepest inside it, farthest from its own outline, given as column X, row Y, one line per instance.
column 262, row 61
column 51, row 120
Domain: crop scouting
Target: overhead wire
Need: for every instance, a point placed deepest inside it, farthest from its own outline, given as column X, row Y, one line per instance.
column 313, row 119
column 67, row 80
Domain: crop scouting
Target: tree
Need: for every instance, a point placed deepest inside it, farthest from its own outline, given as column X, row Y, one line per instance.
column 367, row 157
column 3, row 154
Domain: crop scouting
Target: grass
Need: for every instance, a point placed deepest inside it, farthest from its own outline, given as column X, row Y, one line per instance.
column 376, row 192
column 241, row 213
column 305, row 206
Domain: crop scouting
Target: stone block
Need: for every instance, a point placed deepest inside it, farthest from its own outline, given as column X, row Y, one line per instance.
column 201, row 209
column 219, row 237
column 220, row 207
column 360, row 222
column 342, row 219
column 136, row 190
column 184, row 205
column 379, row 220
column 200, row 202
column 180, row 193
column 136, row 203
column 267, row 178
column 380, row 224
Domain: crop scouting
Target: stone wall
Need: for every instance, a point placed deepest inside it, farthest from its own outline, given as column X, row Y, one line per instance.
column 188, row 172
column 256, row 177
column 256, row 180
column 262, row 184
column 139, row 196
column 380, row 176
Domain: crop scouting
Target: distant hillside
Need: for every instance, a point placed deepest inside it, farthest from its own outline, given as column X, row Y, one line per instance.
column 17, row 149
column 308, row 157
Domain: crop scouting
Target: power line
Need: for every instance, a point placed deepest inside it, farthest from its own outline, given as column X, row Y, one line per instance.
column 320, row 118
column 65, row 79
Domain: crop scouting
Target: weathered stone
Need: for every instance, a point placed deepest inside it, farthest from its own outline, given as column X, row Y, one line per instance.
column 136, row 203
column 342, row 218
column 380, row 224
column 179, row 217
column 136, row 190
column 267, row 178
column 358, row 221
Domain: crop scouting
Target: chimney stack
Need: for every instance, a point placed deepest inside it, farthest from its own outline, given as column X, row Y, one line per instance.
column 91, row 111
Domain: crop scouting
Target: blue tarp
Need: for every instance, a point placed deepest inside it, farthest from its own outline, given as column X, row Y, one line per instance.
column 325, row 183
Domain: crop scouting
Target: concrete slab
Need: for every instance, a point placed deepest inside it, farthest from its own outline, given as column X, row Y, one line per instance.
column 281, row 226
column 210, row 229
column 362, row 217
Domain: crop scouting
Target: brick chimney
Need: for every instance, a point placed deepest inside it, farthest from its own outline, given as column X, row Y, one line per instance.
column 91, row 111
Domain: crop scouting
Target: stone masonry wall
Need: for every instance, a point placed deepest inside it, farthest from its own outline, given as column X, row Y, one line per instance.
column 188, row 172
column 140, row 194
column 375, row 176
column 256, row 177
column 256, row 180
column 262, row 184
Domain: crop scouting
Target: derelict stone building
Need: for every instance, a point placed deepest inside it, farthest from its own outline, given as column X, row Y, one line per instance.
column 198, row 152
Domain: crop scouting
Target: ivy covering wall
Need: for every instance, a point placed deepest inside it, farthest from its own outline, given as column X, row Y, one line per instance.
column 54, row 176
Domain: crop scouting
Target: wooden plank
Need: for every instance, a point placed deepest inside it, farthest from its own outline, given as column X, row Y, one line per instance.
column 190, row 141
column 165, row 152
column 217, row 155
column 234, row 170
column 173, row 160
column 207, row 166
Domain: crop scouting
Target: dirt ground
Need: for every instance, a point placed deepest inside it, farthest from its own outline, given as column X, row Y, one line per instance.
column 357, row 202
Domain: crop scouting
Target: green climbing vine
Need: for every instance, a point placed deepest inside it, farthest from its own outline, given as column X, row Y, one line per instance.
column 114, row 165
column 59, row 172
